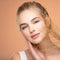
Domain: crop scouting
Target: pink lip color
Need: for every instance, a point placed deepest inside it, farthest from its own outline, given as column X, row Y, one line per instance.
column 35, row 35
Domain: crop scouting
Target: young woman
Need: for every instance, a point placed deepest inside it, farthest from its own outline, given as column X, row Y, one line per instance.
column 35, row 24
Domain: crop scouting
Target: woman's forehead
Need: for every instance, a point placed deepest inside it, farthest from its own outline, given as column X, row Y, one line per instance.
column 29, row 15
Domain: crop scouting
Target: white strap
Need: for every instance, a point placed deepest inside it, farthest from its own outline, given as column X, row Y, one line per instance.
column 23, row 55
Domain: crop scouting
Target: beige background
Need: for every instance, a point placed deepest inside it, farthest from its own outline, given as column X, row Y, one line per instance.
column 11, row 39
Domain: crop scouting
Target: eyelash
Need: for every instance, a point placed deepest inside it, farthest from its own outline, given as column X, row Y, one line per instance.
column 36, row 21
column 24, row 27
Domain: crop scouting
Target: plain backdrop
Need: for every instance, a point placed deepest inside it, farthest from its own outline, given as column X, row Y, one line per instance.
column 11, row 39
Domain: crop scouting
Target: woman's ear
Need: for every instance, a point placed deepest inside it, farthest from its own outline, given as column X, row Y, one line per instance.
column 18, row 27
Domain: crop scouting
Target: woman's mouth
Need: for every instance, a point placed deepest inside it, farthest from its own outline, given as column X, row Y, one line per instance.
column 34, row 36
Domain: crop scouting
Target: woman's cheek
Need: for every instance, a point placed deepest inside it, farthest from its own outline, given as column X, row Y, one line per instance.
column 26, row 33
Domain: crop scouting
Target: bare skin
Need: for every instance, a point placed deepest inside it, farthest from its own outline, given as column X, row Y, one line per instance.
column 52, row 55
column 40, row 47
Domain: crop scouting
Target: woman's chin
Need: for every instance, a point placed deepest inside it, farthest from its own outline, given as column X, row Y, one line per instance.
column 36, row 42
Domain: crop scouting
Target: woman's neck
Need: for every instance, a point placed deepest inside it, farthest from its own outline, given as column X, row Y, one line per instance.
column 47, row 47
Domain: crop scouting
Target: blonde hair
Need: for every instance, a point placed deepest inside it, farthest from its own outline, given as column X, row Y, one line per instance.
column 44, row 14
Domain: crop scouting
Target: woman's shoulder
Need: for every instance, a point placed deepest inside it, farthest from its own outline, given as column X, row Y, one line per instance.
column 25, row 53
column 16, row 56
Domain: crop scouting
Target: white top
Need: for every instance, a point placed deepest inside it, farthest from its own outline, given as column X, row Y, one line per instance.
column 23, row 55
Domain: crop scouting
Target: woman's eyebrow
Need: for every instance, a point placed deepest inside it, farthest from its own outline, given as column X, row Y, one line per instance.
column 34, row 18
column 22, row 24
column 25, row 23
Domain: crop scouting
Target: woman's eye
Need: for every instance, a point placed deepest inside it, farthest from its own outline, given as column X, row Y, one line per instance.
column 36, row 21
column 24, row 27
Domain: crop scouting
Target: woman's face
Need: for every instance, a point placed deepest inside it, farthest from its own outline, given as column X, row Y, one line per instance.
column 32, row 25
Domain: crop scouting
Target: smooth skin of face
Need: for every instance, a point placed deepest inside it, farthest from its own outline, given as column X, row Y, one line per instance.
column 32, row 25
column 34, row 29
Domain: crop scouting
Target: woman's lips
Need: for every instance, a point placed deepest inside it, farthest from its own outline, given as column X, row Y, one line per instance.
column 35, row 36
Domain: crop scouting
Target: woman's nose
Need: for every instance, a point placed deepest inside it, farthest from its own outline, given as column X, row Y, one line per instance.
column 31, row 29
